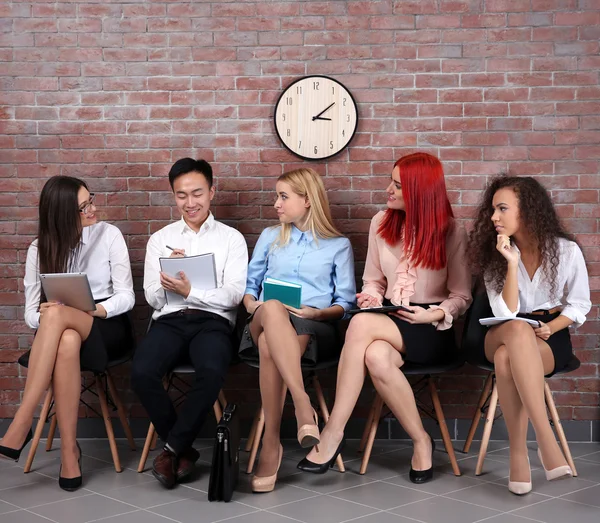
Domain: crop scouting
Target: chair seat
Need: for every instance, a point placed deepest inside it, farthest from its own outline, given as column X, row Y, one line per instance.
column 304, row 366
column 573, row 364
column 410, row 369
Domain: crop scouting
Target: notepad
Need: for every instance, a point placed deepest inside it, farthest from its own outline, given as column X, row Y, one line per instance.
column 488, row 322
column 384, row 309
column 283, row 291
column 200, row 270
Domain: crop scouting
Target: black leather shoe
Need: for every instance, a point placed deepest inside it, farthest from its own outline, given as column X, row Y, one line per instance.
column 164, row 468
column 71, row 484
column 16, row 453
column 423, row 476
column 321, row 468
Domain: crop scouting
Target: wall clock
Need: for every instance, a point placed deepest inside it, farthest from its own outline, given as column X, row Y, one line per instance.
column 316, row 117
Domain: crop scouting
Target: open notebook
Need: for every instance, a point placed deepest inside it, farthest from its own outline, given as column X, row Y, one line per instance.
column 488, row 322
column 200, row 270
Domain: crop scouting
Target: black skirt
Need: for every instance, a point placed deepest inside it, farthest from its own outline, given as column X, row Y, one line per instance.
column 324, row 343
column 559, row 342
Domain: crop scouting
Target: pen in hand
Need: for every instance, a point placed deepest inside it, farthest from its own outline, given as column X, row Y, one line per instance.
column 171, row 248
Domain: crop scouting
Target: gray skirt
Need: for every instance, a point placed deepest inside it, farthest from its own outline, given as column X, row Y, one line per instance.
column 324, row 343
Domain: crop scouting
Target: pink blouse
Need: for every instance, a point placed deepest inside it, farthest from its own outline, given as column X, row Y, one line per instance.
column 388, row 273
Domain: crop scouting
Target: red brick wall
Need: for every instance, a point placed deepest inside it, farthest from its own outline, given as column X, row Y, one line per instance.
column 115, row 91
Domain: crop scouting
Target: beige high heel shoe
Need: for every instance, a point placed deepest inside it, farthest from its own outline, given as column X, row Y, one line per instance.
column 308, row 435
column 521, row 488
column 267, row 483
column 556, row 473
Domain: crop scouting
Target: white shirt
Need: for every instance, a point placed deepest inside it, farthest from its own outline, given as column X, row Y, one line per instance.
column 231, row 260
column 535, row 294
column 104, row 257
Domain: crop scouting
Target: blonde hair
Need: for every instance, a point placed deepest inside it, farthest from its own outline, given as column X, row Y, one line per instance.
column 307, row 183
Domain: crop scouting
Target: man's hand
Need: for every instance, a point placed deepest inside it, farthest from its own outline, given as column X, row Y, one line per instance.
column 544, row 331
column 100, row 312
column 309, row 313
column 366, row 301
column 178, row 253
column 181, row 285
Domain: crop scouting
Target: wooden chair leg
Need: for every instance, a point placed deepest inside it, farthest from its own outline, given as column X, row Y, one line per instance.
column 150, row 438
column 120, row 410
column 365, row 434
column 154, row 441
column 558, row 427
column 108, row 424
column 325, row 413
column 252, row 434
column 260, row 427
column 39, row 428
column 477, row 417
column 487, row 429
column 378, row 406
column 439, row 414
column 51, row 432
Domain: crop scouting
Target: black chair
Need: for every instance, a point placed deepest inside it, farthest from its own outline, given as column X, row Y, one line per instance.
column 435, row 412
column 473, row 338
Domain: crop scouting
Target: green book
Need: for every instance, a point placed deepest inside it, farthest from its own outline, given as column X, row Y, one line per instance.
column 283, row 291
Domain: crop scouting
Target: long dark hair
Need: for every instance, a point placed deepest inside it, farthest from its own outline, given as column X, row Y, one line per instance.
column 537, row 217
column 59, row 229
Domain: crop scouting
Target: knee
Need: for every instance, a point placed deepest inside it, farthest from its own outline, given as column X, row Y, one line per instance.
column 359, row 327
column 70, row 343
column 142, row 374
column 273, row 309
column 377, row 360
column 502, row 362
column 519, row 329
column 53, row 315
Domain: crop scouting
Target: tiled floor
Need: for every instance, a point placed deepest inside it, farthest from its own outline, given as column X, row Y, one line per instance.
column 383, row 495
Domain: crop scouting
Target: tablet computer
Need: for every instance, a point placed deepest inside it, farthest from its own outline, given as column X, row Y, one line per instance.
column 72, row 289
column 387, row 308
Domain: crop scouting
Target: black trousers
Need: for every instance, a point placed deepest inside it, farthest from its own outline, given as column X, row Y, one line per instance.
column 205, row 340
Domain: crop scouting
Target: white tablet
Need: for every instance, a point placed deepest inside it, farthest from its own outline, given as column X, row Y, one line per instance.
column 72, row 289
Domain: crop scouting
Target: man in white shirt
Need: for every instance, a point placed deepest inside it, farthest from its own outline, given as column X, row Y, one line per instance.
column 195, row 329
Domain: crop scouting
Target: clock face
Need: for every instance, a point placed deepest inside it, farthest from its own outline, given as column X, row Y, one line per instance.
column 316, row 117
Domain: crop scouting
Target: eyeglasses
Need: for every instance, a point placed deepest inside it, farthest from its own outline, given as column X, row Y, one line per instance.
column 85, row 207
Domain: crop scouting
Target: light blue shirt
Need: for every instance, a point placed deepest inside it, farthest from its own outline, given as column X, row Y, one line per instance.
column 324, row 267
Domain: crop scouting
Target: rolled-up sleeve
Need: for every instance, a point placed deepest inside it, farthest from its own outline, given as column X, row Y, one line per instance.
column 258, row 264
column 578, row 302
column 344, row 293
column 498, row 305
column 33, row 287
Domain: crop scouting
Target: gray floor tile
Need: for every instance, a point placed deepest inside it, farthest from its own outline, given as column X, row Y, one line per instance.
column 326, row 483
column 139, row 516
column 22, row 516
column 508, row 518
column 595, row 456
column 188, row 510
column 40, row 491
column 261, row 517
column 553, row 488
column 82, row 509
column 51, row 467
column 589, row 496
column 441, row 484
column 107, row 479
column 324, row 509
column 559, row 511
column 381, row 495
column 150, row 494
column 444, row 510
column 7, row 507
column 383, row 517
column 492, row 470
column 587, row 470
column 281, row 495
column 495, row 496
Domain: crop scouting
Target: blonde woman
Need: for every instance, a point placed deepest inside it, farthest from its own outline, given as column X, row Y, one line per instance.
column 305, row 249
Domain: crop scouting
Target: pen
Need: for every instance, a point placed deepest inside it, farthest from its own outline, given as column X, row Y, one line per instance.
column 169, row 247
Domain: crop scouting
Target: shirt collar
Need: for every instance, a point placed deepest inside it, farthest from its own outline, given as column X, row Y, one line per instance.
column 208, row 224
column 297, row 235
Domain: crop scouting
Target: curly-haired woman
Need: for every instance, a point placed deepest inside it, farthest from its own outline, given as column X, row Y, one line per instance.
column 526, row 259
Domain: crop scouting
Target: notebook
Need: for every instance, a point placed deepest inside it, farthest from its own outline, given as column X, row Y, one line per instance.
column 488, row 322
column 385, row 308
column 283, row 291
column 200, row 270
column 72, row 289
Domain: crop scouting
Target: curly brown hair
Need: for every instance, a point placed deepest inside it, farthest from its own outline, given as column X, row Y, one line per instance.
column 537, row 216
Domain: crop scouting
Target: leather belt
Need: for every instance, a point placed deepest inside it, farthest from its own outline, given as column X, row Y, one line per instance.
column 191, row 311
column 542, row 312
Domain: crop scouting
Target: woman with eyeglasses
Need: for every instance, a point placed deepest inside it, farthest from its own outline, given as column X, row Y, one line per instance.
column 70, row 239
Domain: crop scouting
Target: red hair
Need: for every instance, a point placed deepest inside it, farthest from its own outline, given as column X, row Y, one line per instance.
column 425, row 223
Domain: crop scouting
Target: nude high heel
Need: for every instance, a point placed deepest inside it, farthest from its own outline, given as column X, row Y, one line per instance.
column 556, row 473
column 521, row 487
column 308, row 435
column 267, row 483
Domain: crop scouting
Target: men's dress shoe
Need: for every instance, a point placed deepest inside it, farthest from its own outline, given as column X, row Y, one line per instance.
column 187, row 464
column 164, row 469
column 423, row 476
column 71, row 484
column 320, row 468
column 563, row 471
column 15, row 454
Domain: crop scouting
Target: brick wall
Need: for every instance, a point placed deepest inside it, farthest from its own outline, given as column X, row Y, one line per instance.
column 115, row 91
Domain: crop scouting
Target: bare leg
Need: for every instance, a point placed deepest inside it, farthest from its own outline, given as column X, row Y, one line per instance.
column 530, row 359
column 285, row 349
column 67, row 389
column 384, row 362
column 363, row 330
column 55, row 321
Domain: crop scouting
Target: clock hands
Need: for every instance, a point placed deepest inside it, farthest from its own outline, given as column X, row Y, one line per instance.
column 318, row 117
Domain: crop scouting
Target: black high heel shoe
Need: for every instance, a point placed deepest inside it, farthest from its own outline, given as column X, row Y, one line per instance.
column 71, row 484
column 320, row 468
column 16, row 453
column 423, row 476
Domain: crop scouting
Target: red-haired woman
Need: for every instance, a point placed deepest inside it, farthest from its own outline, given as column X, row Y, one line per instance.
column 416, row 258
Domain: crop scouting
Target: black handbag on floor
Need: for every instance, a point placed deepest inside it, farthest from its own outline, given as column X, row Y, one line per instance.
column 225, row 468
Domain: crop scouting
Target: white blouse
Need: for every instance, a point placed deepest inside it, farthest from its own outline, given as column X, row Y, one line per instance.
column 104, row 257
column 573, row 288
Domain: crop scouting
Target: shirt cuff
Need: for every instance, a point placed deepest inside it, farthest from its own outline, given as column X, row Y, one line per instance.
column 109, row 308
column 574, row 315
column 444, row 324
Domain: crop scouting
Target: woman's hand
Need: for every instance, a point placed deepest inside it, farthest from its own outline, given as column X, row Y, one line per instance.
column 46, row 305
column 419, row 315
column 100, row 312
column 509, row 252
column 252, row 305
column 544, row 331
column 366, row 301
column 309, row 313
column 181, row 285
